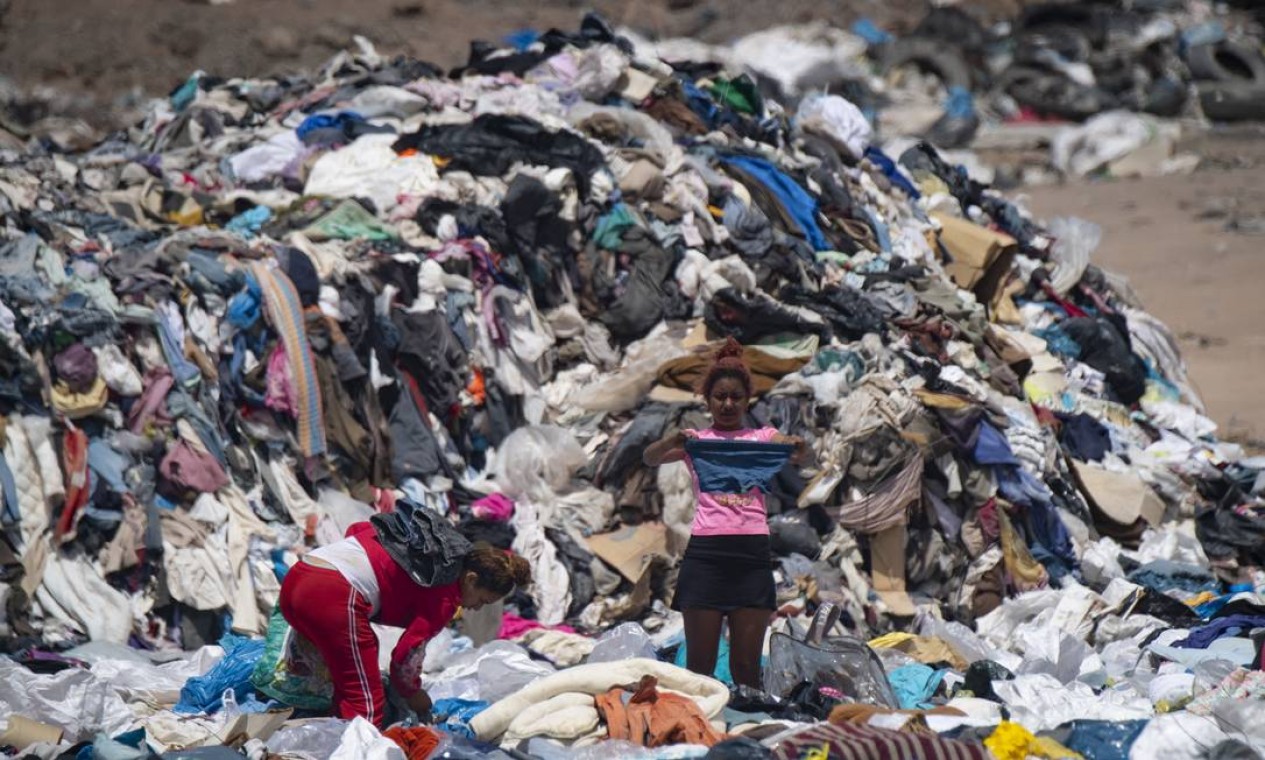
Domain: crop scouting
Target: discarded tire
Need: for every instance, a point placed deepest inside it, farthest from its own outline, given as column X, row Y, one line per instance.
column 1087, row 20
column 1226, row 61
column 930, row 56
column 1068, row 41
column 1232, row 101
column 954, row 26
column 1166, row 97
column 1052, row 94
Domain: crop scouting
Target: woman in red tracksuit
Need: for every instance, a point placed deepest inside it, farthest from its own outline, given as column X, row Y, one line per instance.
column 331, row 596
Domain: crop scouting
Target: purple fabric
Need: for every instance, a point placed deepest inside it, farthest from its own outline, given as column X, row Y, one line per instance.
column 76, row 367
column 1201, row 637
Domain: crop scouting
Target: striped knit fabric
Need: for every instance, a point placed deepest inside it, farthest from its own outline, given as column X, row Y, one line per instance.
column 825, row 741
column 285, row 311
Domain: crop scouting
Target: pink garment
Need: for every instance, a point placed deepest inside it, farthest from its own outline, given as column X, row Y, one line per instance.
column 279, row 395
column 513, row 626
column 385, row 502
column 152, row 405
column 190, row 469
column 498, row 508
column 730, row 514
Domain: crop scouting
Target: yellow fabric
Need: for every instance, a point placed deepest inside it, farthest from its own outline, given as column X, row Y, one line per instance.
column 79, row 405
column 1011, row 741
column 1025, row 572
column 1204, row 596
column 928, row 650
column 891, row 640
column 943, row 400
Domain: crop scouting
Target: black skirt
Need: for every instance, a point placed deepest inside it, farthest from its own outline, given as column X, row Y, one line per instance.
column 726, row 573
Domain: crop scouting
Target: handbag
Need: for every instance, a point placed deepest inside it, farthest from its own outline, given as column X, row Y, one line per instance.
column 842, row 663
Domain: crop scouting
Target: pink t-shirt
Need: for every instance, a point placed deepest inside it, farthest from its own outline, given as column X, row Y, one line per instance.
column 730, row 514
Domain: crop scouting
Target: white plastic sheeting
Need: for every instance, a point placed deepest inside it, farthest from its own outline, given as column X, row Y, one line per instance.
column 75, row 700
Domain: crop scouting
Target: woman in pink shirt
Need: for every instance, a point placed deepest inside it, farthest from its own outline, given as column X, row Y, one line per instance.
column 727, row 571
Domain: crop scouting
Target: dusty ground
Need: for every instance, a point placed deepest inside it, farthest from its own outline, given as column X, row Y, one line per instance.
column 1170, row 235
column 107, row 46
column 1176, row 240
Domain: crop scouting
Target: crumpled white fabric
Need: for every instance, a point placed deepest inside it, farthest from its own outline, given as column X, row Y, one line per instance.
column 268, row 158
column 565, row 717
column 167, row 730
column 592, row 72
column 197, row 575
column 789, row 53
column 1051, row 651
column 532, row 101
column 1106, row 137
column 151, row 684
column 1040, row 702
column 711, row 695
column 74, row 591
column 562, row 648
column 837, row 118
column 1177, row 736
column 369, row 168
column 583, row 512
column 1100, row 561
column 1170, row 541
column 677, row 488
column 77, row 701
column 701, row 277
column 278, row 475
column 551, row 584
column 119, row 374
column 361, row 741
column 1172, row 415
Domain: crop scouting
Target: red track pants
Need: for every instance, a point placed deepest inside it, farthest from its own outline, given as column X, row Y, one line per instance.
column 321, row 605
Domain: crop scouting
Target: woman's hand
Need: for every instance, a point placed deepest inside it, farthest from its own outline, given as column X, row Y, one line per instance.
column 421, row 704
column 801, row 446
column 671, row 448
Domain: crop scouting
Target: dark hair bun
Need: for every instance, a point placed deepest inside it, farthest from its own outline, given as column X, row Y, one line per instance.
column 520, row 569
column 732, row 349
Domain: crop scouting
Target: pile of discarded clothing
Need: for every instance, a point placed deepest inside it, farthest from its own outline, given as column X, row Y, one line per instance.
column 278, row 307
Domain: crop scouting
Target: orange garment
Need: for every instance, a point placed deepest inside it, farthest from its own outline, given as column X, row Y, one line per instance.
column 477, row 387
column 652, row 719
column 417, row 743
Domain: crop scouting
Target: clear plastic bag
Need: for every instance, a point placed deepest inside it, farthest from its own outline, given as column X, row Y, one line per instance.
column 962, row 639
column 623, row 642
column 536, row 462
column 313, row 739
column 1075, row 240
column 1210, row 673
column 840, row 662
column 500, row 677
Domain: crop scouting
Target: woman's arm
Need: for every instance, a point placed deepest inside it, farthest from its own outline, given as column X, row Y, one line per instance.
column 670, row 448
column 410, row 653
